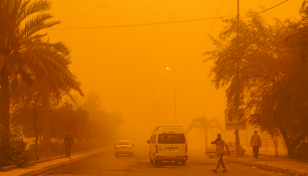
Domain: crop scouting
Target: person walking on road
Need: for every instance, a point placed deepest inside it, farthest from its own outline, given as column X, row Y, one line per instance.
column 68, row 141
column 255, row 142
column 220, row 144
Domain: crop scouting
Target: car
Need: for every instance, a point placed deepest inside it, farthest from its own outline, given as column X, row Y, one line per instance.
column 211, row 151
column 168, row 143
column 124, row 147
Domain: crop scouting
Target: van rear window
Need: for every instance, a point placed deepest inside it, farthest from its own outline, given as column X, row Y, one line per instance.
column 171, row 138
column 123, row 143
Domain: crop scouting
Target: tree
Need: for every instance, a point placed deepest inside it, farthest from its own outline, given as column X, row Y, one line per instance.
column 273, row 72
column 109, row 122
column 25, row 54
column 205, row 125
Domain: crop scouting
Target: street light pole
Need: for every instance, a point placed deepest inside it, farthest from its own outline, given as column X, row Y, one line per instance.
column 174, row 94
column 174, row 98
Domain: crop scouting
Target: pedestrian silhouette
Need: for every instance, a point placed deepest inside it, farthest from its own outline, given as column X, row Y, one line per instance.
column 68, row 141
column 220, row 144
column 255, row 142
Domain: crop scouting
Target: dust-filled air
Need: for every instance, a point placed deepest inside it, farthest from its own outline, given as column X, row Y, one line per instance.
column 153, row 87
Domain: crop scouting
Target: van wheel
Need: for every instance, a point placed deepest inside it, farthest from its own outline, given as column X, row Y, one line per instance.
column 156, row 163
column 151, row 161
column 183, row 162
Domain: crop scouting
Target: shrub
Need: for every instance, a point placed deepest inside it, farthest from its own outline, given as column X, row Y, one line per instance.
column 13, row 148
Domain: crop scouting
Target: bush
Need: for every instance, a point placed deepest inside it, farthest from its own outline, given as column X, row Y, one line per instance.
column 13, row 148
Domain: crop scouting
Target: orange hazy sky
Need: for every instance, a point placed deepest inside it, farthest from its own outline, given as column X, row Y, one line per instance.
column 126, row 66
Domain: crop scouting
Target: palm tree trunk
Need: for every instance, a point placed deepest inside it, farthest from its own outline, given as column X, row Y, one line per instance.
column 35, row 129
column 206, row 138
column 46, row 142
column 5, row 100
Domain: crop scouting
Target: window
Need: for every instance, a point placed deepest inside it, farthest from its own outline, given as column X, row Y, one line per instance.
column 171, row 138
column 153, row 139
column 123, row 143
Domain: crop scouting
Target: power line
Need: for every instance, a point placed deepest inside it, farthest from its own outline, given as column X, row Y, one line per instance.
column 205, row 38
column 142, row 24
column 160, row 23
column 266, row 9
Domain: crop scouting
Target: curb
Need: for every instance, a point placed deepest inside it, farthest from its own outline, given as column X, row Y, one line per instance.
column 50, row 167
column 44, row 169
column 8, row 168
column 268, row 167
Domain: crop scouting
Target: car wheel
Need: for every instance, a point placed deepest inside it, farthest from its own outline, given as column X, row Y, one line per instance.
column 183, row 162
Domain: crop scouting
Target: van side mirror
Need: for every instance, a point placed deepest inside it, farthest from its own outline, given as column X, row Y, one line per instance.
column 148, row 141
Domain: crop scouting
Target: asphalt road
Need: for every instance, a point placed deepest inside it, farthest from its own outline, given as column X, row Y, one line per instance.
column 138, row 165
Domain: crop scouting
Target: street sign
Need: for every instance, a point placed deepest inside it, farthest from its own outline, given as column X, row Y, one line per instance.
column 235, row 123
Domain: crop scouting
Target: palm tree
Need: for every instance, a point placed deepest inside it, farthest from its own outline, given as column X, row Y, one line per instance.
column 205, row 124
column 27, row 55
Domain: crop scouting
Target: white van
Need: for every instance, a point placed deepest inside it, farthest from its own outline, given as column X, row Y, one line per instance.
column 168, row 143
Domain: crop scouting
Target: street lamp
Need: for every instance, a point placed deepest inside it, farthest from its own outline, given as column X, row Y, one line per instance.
column 168, row 68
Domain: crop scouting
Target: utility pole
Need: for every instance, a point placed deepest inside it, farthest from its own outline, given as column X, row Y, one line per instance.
column 237, row 97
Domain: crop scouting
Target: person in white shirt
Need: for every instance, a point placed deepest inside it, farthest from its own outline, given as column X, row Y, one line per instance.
column 220, row 144
column 255, row 142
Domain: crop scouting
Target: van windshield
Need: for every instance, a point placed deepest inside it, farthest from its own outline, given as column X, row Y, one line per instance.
column 171, row 138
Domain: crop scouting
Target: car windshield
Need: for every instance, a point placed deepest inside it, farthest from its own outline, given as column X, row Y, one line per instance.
column 171, row 138
column 123, row 143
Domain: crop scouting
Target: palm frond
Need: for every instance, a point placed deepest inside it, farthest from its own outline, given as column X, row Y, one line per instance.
column 49, row 62
column 25, row 77
column 22, row 9
column 8, row 11
column 217, row 125
column 197, row 122
column 29, row 9
column 36, row 24
column 36, row 37
column 14, row 12
column 20, row 76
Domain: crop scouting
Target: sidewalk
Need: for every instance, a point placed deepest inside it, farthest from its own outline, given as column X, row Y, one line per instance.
column 51, row 164
column 270, row 162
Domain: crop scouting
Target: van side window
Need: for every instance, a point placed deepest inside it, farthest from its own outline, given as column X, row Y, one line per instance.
column 153, row 139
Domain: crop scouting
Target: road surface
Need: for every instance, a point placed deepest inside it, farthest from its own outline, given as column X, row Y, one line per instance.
column 138, row 165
